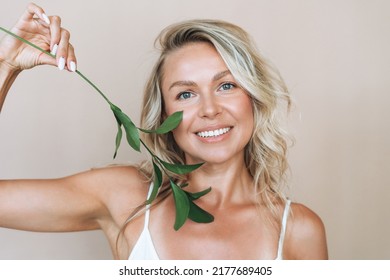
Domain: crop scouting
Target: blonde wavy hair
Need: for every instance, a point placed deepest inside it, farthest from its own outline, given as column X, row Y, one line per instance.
column 265, row 154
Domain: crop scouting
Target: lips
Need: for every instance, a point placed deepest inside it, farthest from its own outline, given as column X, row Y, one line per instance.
column 213, row 133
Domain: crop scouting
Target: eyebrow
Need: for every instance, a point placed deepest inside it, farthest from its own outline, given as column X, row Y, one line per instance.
column 216, row 77
column 220, row 75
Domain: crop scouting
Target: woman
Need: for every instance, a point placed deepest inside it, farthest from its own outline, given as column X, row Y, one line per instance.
column 230, row 97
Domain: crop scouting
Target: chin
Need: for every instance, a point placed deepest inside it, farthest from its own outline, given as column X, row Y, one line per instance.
column 212, row 158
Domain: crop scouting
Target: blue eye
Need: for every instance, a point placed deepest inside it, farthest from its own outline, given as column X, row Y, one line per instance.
column 184, row 95
column 227, row 86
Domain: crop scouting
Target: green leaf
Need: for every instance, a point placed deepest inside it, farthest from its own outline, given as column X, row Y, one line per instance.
column 194, row 196
column 180, row 168
column 169, row 124
column 118, row 136
column 199, row 215
column 182, row 204
column 131, row 130
column 156, row 184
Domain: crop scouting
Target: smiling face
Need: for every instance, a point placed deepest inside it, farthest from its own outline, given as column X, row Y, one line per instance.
column 218, row 117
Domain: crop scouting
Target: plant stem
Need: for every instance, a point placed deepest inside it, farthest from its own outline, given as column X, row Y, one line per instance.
column 94, row 86
column 158, row 160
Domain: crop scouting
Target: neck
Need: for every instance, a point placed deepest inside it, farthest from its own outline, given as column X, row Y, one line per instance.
column 231, row 183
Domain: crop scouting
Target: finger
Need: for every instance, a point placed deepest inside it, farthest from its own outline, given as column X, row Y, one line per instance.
column 63, row 46
column 46, row 59
column 55, row 32
column 71, row 61
column 34, row 10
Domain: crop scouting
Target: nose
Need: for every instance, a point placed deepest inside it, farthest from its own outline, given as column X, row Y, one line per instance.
column 210, row 107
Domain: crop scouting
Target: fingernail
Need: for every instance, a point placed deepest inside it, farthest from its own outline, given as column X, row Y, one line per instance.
column 61, row 63
column 54, row 50
column 45, row 18
column 72, row 66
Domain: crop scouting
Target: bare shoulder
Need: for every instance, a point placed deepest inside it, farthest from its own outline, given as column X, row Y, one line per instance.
column 114, row 186
column 114, row 175
column 305, row 235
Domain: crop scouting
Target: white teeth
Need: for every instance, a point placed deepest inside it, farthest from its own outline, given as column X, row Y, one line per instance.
column 213, row 133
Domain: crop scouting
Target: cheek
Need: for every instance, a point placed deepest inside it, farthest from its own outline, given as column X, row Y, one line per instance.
column 167, row 108
column 184, row 131
column 247, row 106
column 249, row 120
column 180, row 136
column 243, row 107
column 185, row 123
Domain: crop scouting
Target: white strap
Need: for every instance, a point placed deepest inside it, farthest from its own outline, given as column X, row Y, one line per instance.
column 283, row 229
column 147, row 212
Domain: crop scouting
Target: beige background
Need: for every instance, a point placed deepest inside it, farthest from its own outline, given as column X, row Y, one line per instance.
column 334, row 56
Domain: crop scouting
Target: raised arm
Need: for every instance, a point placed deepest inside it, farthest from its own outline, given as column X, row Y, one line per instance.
column 7, row 77
column 66, row 204
column 100, row 198
column 96, row 199
column 46, row 32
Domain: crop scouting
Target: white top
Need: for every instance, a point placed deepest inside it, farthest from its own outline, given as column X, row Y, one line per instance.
column 144, row 248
